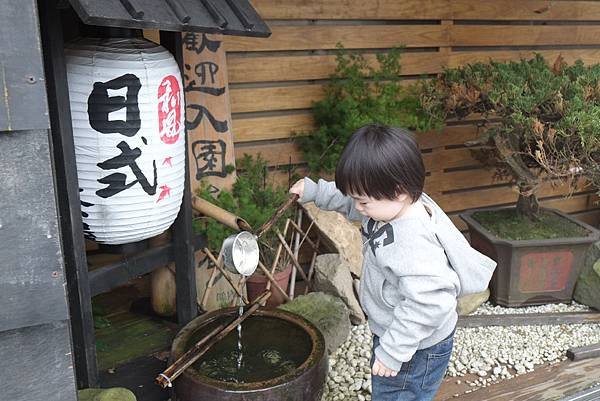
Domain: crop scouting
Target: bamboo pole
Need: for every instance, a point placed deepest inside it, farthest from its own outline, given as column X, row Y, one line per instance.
column 278, row 252
column 280, row 210
column 292, row 287
column 166, row 378
column 221, row 215
column 211, row 281
column 277, row 256
column 224, row 273
column 313, row 260
column 286, row 247
column 305, row 235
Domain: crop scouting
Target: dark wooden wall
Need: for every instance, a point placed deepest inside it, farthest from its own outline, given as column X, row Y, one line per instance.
column 36, row 363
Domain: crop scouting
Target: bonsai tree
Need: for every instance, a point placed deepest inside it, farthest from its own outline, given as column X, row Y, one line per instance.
column 540, row 122
column 253, row 199
column 358, row 94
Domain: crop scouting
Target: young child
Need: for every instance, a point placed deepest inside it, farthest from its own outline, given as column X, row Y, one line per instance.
column 416, row 262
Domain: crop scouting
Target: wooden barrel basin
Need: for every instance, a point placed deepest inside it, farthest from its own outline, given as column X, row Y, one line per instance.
column 283, row 359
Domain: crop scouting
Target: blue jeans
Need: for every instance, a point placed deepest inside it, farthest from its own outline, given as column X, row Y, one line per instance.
column 418, row 379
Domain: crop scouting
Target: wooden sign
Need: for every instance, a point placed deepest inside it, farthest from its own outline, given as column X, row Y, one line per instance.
column 208, row 112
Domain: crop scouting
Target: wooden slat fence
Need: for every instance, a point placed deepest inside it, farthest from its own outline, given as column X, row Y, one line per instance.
column 274, row 81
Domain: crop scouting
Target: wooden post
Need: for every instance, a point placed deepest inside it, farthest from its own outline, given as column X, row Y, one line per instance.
column 208, row 112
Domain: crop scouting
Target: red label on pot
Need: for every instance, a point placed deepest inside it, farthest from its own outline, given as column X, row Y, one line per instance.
column 547, row 271
column 169, row 110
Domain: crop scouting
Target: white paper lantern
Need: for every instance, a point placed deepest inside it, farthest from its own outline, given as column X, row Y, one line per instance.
column 127, row 107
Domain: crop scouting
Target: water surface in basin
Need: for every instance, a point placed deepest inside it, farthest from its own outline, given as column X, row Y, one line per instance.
column 271, row 348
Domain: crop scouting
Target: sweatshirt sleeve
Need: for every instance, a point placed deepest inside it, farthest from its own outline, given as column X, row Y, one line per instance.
column 427, row 298
column 327, row 197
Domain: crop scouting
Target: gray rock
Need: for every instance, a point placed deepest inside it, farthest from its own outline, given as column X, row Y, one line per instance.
column 326, row 312
column 106, row 394
column 469, row 303
column 587, row 288
column 332, row 276
column 339, row 235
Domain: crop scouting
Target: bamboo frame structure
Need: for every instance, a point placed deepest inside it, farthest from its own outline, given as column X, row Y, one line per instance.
column 283, row 248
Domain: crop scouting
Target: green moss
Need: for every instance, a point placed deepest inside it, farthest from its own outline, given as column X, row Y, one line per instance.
column 322, row 310
column 506, row 224
column 111, row 394
column 128, row 337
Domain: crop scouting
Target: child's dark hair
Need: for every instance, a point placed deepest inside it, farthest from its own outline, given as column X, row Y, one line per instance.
column 381, row 162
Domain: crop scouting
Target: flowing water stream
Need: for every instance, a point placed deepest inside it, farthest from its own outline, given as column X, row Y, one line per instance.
column 239, row 329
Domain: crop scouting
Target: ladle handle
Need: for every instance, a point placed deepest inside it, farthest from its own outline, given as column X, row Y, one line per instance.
column 265, row 227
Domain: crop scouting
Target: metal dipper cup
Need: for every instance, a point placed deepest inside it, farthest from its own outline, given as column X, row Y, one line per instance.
column 240, row 251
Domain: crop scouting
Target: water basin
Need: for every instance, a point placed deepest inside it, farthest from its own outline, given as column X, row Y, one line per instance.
column 283, row 359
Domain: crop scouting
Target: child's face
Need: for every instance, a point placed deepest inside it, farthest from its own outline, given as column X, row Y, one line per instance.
column 381, row 209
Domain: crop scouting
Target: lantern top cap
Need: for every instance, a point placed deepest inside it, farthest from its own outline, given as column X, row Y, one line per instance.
column 226, row 17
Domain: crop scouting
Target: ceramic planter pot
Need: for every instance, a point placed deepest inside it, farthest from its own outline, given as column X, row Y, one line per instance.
column 257, row 283
column 532, row 272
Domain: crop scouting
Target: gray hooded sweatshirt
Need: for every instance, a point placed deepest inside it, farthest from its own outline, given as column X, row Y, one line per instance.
column 413, row 271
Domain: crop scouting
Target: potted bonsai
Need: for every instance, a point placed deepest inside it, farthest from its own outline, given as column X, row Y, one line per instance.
column 253, row 199
column 540, row 123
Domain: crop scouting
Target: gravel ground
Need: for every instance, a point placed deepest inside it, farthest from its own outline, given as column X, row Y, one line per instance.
column 489, row 353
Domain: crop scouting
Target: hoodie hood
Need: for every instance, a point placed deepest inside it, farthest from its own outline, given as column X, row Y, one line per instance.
column 473, row 268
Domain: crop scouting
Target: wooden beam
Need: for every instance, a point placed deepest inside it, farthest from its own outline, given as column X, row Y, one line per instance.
column 585, row 352
column 547, row 383
column 526, row 319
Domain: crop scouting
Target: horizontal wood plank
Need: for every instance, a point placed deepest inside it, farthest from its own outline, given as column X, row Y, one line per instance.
column 286, row 179
column 310, row 37
column 278, row 154
column 282, row 126
column 450, row 159
column 465, row 179
column 429, row 10
column 353, row 9
column 524, row 35
column 547, row 383
column 245, row 100
column 286, row 97
column 272, row 127
column 457, row 59
column 525, row 10
column 591, row 217
column 244, row 69
column 573, row 204
column 496, row 196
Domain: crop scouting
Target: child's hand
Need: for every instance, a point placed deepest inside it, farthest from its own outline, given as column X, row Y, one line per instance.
column 379, row 369
column 298, row 188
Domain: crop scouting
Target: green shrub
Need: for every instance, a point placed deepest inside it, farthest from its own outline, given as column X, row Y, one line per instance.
column 359, row 94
